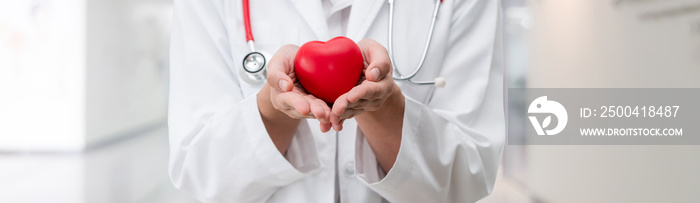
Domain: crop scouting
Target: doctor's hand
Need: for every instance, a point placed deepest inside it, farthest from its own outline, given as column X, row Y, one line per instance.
column 375, row 86
column 287, row 95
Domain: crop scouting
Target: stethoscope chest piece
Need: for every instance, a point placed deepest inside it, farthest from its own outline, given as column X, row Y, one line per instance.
column 254, row 69
column 254, row 62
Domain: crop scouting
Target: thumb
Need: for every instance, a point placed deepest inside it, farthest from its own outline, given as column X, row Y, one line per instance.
column 377, row 57
column 279, row 80
column 280, row 67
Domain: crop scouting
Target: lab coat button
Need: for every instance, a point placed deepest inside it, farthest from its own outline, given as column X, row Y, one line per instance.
column 350, row 168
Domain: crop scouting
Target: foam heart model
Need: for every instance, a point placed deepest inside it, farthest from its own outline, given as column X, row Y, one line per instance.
column 328, row 69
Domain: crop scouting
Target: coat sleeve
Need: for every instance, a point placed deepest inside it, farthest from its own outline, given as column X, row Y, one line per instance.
column 451, row 147
column 219, row 148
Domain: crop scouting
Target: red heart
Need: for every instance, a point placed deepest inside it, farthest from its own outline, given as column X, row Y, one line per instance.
column 328, row 69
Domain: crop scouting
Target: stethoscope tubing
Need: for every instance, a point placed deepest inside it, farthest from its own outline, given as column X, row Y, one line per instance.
column 398, row 75
column 246, row 22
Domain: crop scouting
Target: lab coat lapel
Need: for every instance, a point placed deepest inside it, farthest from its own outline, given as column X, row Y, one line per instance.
column 362, row 16
column 312, row 12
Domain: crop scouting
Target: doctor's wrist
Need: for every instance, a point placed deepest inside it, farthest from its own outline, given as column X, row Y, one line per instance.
column 382, row 128
column 279, row 126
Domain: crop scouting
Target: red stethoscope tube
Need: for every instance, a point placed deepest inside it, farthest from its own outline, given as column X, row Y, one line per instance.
column 246, row 22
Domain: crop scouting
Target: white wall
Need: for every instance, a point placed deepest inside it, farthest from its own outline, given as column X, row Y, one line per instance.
column 598, row 44
column 42, row 71
column 78, row 73
column 126, row 66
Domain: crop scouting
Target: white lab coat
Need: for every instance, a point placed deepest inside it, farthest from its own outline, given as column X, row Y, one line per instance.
column 452, row 137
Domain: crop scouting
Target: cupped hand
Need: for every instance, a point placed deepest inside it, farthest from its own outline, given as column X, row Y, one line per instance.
column 287, row 95
column 373, row 89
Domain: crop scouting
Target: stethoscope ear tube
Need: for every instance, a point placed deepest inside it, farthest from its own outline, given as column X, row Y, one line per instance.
column 439, row 81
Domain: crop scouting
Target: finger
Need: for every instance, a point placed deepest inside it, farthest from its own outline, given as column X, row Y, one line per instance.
column 280, row 67
column 338, row 126
column 301, row 106
column 293, row 104
column 358, row 92
column 339, row 107
column 350, row 113
column 321, row 111
column 361, row 104
column 326, row 110
column 357, row 104
column 317, row 110
column 367, row 90
column 325, row 127
column 279, row 81
column 378, row 59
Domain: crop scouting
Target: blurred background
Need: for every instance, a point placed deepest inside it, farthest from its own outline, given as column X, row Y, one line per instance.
column 83, row 98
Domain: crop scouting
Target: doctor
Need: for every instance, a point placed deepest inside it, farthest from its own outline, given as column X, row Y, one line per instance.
column 391, row 140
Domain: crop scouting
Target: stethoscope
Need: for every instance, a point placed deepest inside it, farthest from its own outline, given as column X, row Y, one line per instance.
column 255, row 63
column 254, row 71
